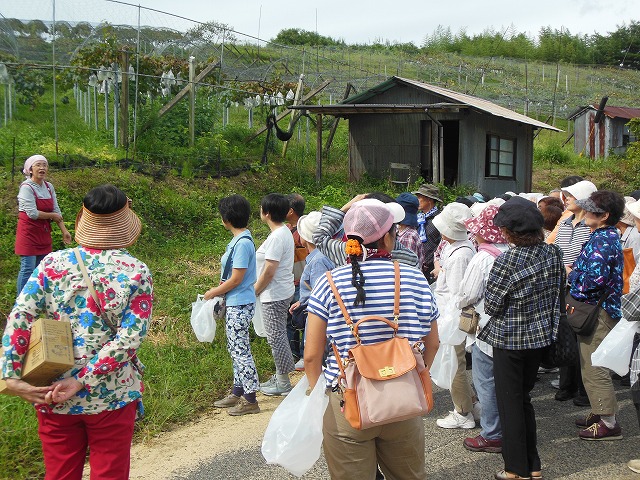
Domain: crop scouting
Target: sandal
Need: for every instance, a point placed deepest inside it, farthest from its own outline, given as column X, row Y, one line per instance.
column 536, row 475
column 504, row 475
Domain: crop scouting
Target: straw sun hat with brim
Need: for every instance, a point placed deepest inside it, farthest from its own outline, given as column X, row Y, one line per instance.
column 119, row 229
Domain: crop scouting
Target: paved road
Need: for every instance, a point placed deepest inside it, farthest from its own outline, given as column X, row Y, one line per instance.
column 564, row 456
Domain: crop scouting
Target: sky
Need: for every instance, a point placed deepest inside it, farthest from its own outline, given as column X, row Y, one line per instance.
column 354, row 21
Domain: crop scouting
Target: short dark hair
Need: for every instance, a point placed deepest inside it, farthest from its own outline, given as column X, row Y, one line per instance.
column 297, row 203
column 383, row 197
column 550, row 202
column 104, row 199
column 236, row 210
column 635, row 194
column 570, row 180
column 551, row 214
column 276, row 205
column 611, row 202
column 523, row 239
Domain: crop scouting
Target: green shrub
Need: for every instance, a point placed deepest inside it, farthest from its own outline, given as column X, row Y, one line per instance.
column 551, row 153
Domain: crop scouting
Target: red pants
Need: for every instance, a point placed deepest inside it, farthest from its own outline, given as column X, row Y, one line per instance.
column 108, row 435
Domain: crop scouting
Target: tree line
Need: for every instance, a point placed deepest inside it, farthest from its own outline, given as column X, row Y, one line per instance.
column 619, row 48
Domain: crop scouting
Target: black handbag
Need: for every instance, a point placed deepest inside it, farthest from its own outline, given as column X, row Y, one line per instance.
column 563, row 352
column 299, row 317
column 583, row 317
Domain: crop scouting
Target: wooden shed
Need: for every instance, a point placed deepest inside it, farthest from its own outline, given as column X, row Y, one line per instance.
column 597, row 140
column 439, row 134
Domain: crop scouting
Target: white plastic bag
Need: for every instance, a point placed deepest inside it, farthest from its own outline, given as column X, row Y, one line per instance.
column 445, row 366
column 258, row 322
column 449, row 322
column 202, row 321
column 614, row 352
column 294, row 435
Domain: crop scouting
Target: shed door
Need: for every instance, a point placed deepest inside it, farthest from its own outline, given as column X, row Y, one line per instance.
column 426, row 164
column 450, row 141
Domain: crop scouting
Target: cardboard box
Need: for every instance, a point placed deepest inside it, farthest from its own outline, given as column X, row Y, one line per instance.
column 50, row 353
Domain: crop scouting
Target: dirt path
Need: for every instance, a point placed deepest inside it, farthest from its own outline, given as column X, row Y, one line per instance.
column 183, row 449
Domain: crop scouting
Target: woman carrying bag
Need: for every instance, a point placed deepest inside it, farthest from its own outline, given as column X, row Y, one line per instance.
column 522, row 297
column 366, row 287
column 106, row 294
column 237, row 287
column 596, row 279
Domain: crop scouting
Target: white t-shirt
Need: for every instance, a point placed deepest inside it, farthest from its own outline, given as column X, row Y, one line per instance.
column 278, row 247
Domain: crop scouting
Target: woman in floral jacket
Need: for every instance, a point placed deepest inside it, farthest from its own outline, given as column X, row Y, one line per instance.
column 94, row 404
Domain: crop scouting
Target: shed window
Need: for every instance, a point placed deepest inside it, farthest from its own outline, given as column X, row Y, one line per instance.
column 501, row 157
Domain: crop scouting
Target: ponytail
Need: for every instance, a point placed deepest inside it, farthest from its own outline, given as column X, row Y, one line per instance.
column 354, row 250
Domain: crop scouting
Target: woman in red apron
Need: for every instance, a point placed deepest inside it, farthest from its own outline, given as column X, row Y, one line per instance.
column 37, row 208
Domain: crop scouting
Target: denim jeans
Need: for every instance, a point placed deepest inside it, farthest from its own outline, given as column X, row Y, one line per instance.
column 482, row 371
column 28, row 264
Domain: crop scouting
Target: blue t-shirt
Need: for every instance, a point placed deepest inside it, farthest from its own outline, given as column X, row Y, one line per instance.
column 244, row 256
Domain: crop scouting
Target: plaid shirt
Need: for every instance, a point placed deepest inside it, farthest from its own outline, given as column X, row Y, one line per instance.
column 522, row 298
column 408, row 237
column 598, row 269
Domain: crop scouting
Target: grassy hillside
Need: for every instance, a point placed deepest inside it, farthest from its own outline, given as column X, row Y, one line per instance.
column 183, row 239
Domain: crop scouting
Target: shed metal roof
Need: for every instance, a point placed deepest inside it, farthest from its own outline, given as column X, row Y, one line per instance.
column 452, row 100
column 626, row 113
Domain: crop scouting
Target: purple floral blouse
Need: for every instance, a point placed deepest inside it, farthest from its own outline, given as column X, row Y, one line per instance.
column 103, row 361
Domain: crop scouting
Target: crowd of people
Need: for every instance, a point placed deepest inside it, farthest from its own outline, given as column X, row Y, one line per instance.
column 506, row 261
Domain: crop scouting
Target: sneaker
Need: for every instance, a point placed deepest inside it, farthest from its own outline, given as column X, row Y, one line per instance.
column 456, row 420
column 634, row 465
column 300, row 365
column 279, row 388
column 555, row 383
column 481, row 444
column 269, row 383
column 599, row 431
column 228, row 401
column 543, row 370
column 584, row 422
column 243, row 407
column 476, row 411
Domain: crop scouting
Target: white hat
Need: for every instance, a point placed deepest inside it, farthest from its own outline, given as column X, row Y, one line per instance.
column 628, row 218
column 634, row 209
column 581, row 190
column 307, row 225
column 477, row 208
column 450, row 222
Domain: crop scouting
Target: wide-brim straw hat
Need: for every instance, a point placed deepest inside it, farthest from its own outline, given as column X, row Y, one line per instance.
column 119, row 229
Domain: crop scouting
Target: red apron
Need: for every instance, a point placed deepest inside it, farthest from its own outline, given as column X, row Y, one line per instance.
column 33, row 237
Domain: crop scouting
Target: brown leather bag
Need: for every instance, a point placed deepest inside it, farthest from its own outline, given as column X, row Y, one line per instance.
column 384, row 382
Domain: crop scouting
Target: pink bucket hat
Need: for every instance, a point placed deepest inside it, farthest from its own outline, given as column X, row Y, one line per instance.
column 483, row 226
column 30, row 161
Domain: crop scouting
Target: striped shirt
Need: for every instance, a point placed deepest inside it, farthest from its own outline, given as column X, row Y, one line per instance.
column 571, row 239
column 417, row 307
